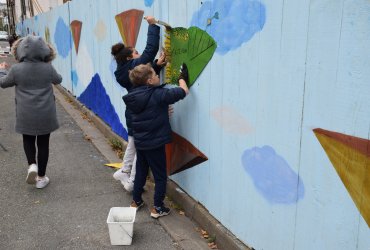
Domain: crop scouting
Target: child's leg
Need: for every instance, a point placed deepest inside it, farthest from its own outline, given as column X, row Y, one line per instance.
column 30, row 148
column 142, row 168
column 42, row 153
column 157, row 159
column 130, row 153
column 133, row 170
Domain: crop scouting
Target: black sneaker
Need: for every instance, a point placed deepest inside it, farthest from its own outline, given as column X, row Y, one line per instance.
column 157, row 212
column 137, row 205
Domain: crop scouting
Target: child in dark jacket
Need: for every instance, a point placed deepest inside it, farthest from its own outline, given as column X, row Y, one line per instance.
column 148, row 103
column 128, row 58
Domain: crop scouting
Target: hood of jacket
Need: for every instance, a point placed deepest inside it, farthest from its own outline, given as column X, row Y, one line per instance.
column 32, row 48
column 137, row 99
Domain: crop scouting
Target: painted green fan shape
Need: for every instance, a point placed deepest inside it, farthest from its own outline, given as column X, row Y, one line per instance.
column 192, row 46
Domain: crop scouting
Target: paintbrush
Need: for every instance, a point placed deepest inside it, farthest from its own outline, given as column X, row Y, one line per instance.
column 166, row 25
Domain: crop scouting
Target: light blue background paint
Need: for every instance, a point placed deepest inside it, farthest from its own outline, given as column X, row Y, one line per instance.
column 306, row 66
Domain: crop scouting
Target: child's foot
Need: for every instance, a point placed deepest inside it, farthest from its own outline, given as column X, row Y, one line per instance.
column 129, row 185
column 31, row 174
column 137, row 205
column 121, row 175
column 42, row 182
column 157, row 212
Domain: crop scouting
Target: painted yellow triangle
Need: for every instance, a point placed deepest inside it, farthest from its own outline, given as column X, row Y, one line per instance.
column 114, row 165
column 353, row 167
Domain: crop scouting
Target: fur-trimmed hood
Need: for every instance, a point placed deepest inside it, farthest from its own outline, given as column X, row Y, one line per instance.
column 32, row 48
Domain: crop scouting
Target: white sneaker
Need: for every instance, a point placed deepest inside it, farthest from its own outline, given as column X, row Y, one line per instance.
column 31, row 174
column 129, row 185
column 121, row 175
column 42, row 182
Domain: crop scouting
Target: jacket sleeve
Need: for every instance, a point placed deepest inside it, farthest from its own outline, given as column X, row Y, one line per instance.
column 7, row 78
column 151, row 48
column 172, row 95
column 55, row 77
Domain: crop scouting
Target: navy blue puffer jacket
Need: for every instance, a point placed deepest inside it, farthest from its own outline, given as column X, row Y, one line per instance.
column 149, row 110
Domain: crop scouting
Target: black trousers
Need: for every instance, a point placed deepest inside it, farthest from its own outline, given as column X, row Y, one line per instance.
column 156, row 160
column 29, row 145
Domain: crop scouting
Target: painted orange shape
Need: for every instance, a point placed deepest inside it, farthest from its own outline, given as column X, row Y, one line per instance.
column 350, row 157
column 129, row 25
column 76, row 27
column 181, row 155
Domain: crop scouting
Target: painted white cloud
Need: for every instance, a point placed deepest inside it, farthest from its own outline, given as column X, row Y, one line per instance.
column 84, row 65
column 100, row 30
column 231, row 120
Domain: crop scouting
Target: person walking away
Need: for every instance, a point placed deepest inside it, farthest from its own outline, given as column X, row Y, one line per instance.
column 128, row 58
column 148, row 104
column 33, row 76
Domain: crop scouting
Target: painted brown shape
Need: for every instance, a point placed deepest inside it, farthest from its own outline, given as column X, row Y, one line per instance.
column 182, row 155
column 351, row 160
column 129, row 25
column 76, row 27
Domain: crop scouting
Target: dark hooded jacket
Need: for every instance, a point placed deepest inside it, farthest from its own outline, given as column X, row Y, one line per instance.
column 148, row 55
column 149, row 110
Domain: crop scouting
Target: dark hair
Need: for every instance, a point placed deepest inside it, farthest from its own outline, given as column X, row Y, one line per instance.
column 140, row 74
column 121, row 53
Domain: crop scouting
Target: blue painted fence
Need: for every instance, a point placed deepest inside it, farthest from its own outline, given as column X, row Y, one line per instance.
column 281, row 69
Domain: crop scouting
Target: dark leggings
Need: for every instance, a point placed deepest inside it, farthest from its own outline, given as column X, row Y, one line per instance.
column 42, row 151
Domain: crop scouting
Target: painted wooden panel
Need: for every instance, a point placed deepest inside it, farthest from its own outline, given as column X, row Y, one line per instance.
column 281, row 69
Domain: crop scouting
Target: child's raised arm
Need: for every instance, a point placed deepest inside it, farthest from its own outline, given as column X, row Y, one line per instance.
column 6, row 78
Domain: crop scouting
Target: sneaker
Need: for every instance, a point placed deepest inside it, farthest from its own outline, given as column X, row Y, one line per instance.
column 129, row 185
column 42, row 182
column 31, row 174
column 137, row 205
column 157, row 212
column 121, row 175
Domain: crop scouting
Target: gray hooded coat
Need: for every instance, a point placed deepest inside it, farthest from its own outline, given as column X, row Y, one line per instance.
column 33, row 78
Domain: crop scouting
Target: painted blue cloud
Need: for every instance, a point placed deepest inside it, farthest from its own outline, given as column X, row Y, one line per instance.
column 272, row 176
column 74, row 77
column 95, row 98
column 230, row 23
column 62, row 38
column 148, row 3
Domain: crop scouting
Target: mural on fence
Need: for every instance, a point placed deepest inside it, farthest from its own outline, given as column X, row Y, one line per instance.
column 182, row 155
column 47, row 34
column 129, row 25
column 245, row 123
column 95, row 98
column 230, row 23
column 76, row 27
column 350, row 157
column 192, row 46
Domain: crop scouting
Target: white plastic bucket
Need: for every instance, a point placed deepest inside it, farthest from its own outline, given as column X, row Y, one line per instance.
column 121, row 225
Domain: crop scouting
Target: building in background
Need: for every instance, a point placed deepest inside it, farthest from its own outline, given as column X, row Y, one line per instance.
column 20, row 10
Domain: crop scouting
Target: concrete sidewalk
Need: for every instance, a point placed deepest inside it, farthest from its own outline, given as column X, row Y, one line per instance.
column 71, row 212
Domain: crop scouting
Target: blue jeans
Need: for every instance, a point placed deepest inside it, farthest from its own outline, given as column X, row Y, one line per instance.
column 156, row 160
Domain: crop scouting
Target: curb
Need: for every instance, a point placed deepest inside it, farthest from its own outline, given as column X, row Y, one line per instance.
column 193, row 209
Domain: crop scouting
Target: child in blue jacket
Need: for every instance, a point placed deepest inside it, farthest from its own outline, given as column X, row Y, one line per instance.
column 148, row 103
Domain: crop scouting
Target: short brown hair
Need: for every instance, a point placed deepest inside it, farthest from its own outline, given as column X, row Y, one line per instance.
column 140, row 74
